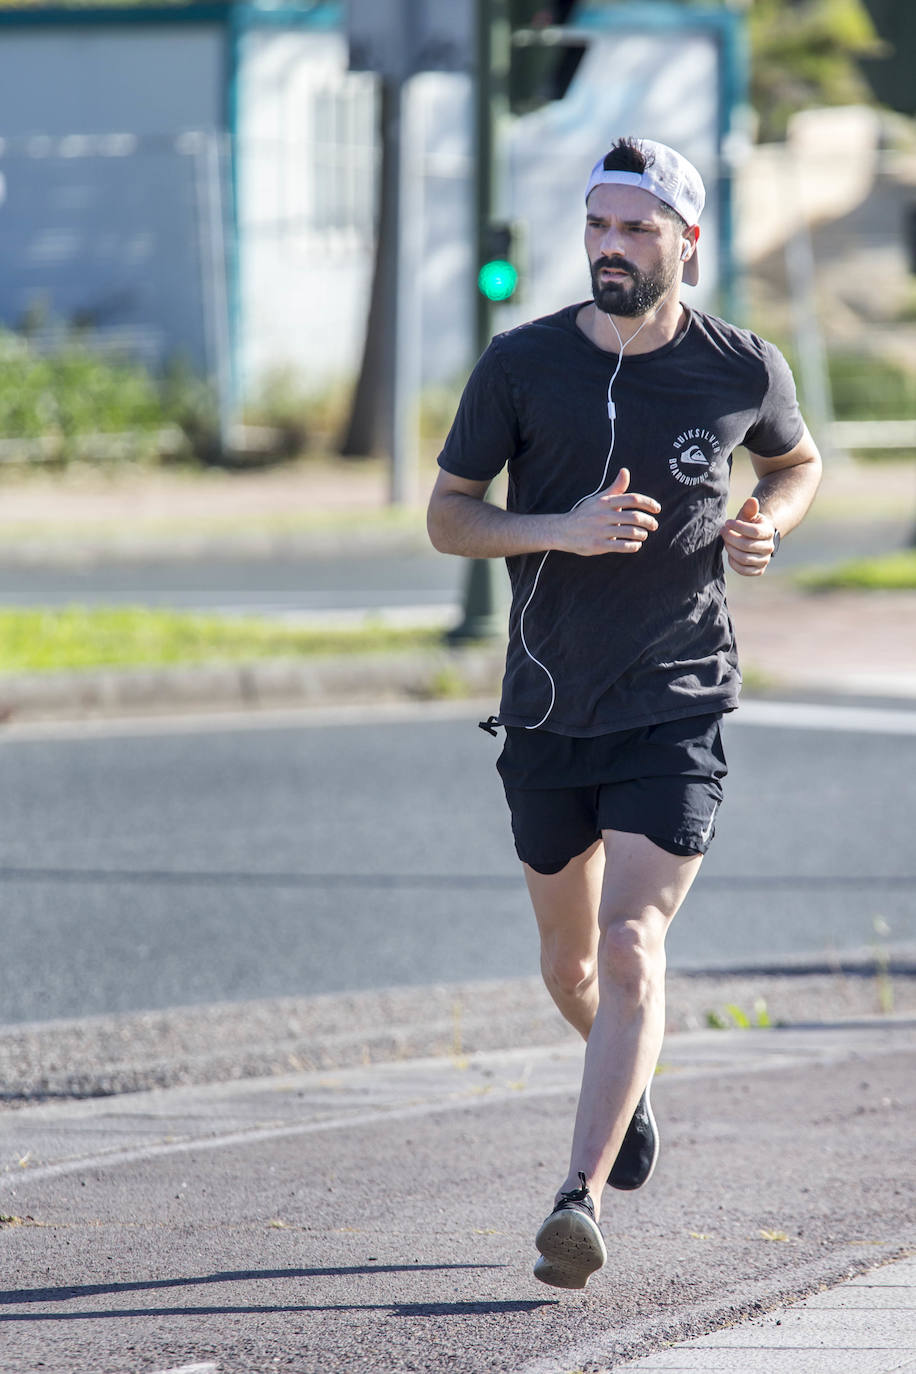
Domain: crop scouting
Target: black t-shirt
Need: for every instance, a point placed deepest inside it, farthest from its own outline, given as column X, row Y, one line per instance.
column 621, row 640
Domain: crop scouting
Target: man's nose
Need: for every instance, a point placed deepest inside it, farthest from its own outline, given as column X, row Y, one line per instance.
column 612, row 243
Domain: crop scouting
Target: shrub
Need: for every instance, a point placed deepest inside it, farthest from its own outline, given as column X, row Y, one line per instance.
column 66, row 395
column 72, row 391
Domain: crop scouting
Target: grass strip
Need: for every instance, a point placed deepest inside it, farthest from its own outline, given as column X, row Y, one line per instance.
column 46, row 640
column 889, row 572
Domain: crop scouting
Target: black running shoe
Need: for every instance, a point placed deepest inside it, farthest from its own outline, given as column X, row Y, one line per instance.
column 571, row 1245
column 639, row 1152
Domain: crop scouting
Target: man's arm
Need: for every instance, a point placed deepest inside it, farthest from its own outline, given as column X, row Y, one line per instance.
column 785, row 489
column 460, row 521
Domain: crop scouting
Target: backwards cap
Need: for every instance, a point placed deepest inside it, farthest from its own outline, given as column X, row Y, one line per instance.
column 670, row 178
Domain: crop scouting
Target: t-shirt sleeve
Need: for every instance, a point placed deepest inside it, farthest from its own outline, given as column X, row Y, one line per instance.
column 779, row 425
column 485, row 432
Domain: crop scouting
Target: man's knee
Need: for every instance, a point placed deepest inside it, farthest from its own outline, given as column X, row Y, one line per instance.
column 567, row 972
column 631, row 953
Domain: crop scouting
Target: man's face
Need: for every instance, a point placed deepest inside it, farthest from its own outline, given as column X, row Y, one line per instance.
column 633, row 249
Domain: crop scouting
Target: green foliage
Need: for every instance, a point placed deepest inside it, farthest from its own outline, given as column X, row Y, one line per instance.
column 733, row 1017
column 865, row 387
column 889, row 572
column 448, row 685
column 805, row 53
column 190, row 403
column 72, row 391
column 67, row 394
column 285, row 404
column 883, row 980
column 306, row 418
column 78, row 637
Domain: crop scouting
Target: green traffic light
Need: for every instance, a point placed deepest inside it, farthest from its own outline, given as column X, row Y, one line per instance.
column 497, row 279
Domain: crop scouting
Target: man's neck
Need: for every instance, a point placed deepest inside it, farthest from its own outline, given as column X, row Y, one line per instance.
column 637, row 336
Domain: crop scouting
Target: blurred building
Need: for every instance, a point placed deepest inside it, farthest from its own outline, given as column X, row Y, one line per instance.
column 202, row 180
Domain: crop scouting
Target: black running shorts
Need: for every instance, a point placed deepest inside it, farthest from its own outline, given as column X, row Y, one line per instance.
column 662, row 781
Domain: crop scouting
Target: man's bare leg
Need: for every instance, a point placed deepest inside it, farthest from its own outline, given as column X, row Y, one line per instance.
column 642, row 890
column 566, row 907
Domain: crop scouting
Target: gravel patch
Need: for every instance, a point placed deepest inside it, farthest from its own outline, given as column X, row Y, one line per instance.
column 105, row 1055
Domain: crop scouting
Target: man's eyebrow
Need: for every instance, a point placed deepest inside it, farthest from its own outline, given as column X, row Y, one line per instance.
column 628, row 223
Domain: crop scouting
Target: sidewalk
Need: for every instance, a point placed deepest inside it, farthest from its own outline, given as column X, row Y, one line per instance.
column 379, row 1220
column 867, row 1325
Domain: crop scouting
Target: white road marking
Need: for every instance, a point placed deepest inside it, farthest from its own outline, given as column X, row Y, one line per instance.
column 218, row 721
column 190, row 1369
column 803, row 715
column 792, row 715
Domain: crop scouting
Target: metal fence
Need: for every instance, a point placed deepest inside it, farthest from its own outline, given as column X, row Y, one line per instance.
column 132, row 239
column 124, row 239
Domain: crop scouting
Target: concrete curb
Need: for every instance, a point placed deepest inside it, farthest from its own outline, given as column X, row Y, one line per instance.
column 358, row 679
column 275, row 684
column 272, row 683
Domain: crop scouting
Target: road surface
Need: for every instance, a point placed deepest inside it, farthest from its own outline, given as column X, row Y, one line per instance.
column 177, row 863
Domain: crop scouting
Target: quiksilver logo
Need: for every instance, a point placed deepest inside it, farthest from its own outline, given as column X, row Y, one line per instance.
column 695, row 452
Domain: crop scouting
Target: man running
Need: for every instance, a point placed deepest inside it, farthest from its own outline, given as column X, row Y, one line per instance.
column 617, row 420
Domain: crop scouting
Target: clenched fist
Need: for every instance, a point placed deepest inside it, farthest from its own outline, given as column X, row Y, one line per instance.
column 749, row 540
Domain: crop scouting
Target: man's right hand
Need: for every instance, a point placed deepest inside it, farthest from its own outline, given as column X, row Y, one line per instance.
column 461, row 522
column 614, row 521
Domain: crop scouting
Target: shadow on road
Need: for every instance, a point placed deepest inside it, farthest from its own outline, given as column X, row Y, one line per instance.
column 397, row 1309
column 94, row 1290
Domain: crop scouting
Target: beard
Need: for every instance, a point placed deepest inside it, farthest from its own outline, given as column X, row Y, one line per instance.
column 636, row 297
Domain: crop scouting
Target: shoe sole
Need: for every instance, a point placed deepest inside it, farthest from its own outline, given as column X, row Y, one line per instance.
column 572, row 1249
column 631, row 1187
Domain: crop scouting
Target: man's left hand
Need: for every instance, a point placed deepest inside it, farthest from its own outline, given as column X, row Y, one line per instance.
column 749, row 539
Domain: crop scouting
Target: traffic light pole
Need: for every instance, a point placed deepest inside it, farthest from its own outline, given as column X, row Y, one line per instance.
column 491, row 106
column 482, row 614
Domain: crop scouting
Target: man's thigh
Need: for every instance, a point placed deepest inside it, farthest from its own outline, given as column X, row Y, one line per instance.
column 642, row 882
column 566, row 904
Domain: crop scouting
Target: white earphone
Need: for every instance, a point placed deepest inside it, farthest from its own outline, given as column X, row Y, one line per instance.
column 612, row 416
column 685, row 252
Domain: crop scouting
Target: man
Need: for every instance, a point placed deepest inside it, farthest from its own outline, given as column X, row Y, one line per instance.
column 617, row 420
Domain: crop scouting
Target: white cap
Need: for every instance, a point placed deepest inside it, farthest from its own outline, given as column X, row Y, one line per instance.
column 670, row 178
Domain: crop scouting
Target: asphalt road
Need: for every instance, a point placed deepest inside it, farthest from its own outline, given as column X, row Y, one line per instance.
column 168, row 864
column 381, row 1220
column 275, row 585
column 301, row 582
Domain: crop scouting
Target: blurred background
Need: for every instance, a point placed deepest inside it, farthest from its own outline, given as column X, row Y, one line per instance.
column 254, row 206
column 249, row 253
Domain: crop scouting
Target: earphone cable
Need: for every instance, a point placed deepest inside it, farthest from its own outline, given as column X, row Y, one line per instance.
column 612, row 416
